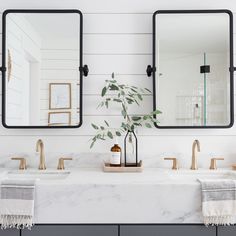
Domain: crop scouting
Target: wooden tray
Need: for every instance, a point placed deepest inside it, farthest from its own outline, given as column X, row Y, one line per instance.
column 122, row 168
column 234, row 166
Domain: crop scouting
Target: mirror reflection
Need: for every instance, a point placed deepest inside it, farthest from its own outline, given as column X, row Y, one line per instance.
column 192, row 61
column 42, row 84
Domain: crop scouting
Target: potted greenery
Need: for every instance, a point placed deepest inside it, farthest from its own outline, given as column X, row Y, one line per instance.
column 125, row 96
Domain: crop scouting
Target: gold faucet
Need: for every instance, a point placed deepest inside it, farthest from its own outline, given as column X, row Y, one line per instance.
column 213, row 162
column 61, row 165
column 22, row 160
column 196, row 143
column 174, row 163
column 40, row 149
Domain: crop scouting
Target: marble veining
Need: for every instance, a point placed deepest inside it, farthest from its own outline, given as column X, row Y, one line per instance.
column 88, row 195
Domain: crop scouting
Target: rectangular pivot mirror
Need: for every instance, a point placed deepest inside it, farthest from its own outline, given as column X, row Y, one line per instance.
column 42, row 57
column 193, row 68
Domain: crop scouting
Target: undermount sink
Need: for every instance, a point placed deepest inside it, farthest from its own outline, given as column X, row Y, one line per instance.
column 195, row 175
column 38, row 174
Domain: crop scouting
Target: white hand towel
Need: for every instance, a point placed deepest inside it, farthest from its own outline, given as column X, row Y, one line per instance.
column 17, row 203
column 218, row 201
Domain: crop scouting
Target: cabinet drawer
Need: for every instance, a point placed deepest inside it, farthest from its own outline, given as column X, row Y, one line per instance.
column 9, row 232
column 72, row 230
column 226, row 231
column 167, row 230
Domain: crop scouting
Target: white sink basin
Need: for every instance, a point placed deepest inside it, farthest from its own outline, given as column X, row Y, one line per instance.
column 192, row 175
column 41, row 175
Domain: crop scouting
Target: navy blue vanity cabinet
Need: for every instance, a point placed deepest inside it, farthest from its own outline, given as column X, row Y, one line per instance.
column 71, row 230
column 167, row 230
column 9, row 232
column 226, row 230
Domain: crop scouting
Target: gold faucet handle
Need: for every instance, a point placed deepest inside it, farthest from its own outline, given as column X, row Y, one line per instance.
column 175, row 162
column 61, row 165
column 22, row 165
column 213, row 162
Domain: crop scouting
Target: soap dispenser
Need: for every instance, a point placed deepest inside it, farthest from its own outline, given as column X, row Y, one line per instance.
column 115, row 158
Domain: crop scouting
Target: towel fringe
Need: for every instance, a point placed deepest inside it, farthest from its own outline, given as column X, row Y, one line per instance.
column 16, row 221
column 219, row 220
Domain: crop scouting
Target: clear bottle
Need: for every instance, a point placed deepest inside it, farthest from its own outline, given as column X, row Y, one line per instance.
column 115, row 159
column 131, row 149
column 196, row 115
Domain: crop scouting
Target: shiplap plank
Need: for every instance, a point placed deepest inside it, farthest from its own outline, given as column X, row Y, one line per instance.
column 118, row 44
column 59, row 74
column 60, row 54
column 92, row 103
column 59, row 65
column 63, row 44
column 104, row 44
column 120, row 64
column 118, row 24
column 93, row 84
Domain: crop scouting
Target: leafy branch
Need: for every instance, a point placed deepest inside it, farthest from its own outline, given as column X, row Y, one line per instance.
column 125, row 96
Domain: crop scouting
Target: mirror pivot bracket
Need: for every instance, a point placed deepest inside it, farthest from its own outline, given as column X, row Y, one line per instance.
column 150, row 70
column 84, row 69
column 3, row 69
column 232, row 69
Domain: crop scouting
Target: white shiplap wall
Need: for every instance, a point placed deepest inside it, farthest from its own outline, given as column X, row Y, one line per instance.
column 21, row 40
column 117, row 37
column 57, row 57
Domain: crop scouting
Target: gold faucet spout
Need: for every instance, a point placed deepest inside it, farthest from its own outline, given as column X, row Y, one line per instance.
column 40, row 149
column 196, row 144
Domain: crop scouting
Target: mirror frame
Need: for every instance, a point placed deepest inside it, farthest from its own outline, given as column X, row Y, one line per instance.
column 151, row 70
column 83, row 69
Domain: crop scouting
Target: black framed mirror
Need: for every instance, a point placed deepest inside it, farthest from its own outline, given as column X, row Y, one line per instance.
column 193, row 69
column 42, row 68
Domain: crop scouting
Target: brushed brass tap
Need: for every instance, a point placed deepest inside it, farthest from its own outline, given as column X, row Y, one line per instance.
column 175, row 165
column 196, row 143
column 40, row 149
column 22, row 160
column 61, row 165
column 213, row 162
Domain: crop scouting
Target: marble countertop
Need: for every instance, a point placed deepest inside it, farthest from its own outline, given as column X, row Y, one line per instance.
column 88, row 195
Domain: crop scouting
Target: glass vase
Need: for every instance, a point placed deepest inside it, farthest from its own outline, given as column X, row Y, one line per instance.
column 131, row 149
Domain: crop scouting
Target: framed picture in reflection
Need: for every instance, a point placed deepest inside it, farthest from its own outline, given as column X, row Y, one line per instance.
column 78, row 97
column 59, row 96
column 59, row 118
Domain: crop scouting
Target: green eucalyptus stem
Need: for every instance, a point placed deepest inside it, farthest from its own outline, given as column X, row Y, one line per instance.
column 124, row 96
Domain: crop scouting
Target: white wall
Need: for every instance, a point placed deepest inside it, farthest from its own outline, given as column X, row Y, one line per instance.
column 59, row 56
column 24, row 45
column 117, row 37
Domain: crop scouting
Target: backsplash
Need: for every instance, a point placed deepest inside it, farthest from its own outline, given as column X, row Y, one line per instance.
column 95, row 160
column 118, row 41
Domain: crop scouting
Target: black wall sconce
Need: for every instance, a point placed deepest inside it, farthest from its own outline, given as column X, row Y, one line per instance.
column 204, row 69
